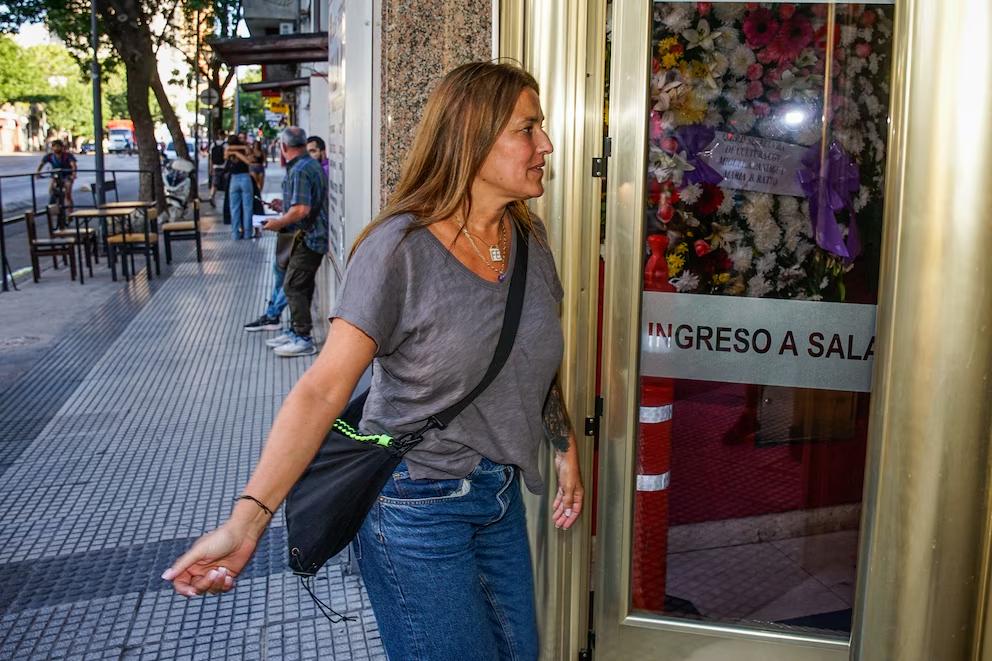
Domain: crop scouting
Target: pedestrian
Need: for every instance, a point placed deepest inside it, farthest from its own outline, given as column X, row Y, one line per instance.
column 444, row 551
column 304, row 204
column 257, row 167
column 317, row 149
column 239, row 188
column 218, row 180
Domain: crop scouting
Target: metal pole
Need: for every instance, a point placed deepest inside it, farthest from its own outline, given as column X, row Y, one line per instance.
column 237, row 102
column 196, row 114
column 97, row 107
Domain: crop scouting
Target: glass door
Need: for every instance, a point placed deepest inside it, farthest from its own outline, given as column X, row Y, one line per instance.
column 743, row 224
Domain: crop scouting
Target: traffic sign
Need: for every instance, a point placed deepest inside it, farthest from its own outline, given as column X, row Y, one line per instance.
column 209, row 97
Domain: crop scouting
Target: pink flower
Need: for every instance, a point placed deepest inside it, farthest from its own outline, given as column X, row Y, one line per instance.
column 760, row 109
column 786, row 11
column 655, row 124
column 760, row 27
column 755, row 71
column 774, row 95
column 869, row 17
column 754, row 90
column 704, row 8
column 793, row 36
column 766, row 56
column 863, row 49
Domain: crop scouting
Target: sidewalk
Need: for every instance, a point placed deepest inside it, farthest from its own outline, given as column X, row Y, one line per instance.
column 130, row 417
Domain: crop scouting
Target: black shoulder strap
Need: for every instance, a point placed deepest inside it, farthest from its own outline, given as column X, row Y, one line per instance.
column 507, row 334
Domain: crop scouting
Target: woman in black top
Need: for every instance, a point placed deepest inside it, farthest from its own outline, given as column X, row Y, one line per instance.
column 239, row 188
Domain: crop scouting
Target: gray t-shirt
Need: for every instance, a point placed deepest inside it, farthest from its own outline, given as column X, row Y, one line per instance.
column 436, row 325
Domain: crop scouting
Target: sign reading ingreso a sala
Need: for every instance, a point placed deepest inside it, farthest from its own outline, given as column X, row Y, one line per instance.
column 802, row 344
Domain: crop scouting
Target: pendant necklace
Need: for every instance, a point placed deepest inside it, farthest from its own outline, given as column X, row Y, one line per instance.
column 496, row 252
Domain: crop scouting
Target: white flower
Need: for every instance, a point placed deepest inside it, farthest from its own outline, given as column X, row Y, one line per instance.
column 855, row 65
column 757, row 207
column 861, row 201
column 729, row 39
column 742, row 256
column 789, row 276
column 765, row 264
column 788, row 206
column 803, row 249
column 690, row 194
column 688, row 281
column 767, row 234
column 728, row 202
column 867, row 34
column 872, row 104
column 735, row 92
column 730, row 12
column 713, row 117
column 742, row 120
column 848, row 33
column 678, row 19
column 740, row 59
column 722, row 236
column 665, row 166
column 873, row 62
column 809, row 134
column 850, row 139
column 701, row 36
column 757, row 286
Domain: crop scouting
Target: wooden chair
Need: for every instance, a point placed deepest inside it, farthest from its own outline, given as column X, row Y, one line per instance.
column 183, row 230
column 52, row 247
column 126, row 242
column 59, row 229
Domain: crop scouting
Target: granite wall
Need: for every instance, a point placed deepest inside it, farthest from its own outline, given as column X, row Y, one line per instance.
column 421, row 41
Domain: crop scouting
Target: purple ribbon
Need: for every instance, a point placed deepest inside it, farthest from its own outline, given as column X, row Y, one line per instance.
column 830, row 193
column 694, row 138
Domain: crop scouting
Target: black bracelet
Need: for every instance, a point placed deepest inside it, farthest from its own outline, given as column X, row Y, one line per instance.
column 256, row 501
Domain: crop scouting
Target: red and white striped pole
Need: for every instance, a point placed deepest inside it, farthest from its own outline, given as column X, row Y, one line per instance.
column 654, row 453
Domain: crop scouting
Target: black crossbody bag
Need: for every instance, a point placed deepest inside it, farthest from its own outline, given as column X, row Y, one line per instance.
column 329, row 503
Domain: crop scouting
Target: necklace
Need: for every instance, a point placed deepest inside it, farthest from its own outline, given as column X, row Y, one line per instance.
column 495, row 251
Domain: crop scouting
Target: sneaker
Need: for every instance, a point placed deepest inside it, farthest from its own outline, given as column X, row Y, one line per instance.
column 300, row 346
column 263, row 323
column 283, row 338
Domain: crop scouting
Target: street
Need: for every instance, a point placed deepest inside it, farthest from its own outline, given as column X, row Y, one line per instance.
column 15, row 192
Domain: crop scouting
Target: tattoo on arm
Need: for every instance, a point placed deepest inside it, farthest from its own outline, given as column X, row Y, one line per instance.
column 557, row 426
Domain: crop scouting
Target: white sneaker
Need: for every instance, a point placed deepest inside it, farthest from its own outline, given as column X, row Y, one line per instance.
column 283, row 338
column 299, row 346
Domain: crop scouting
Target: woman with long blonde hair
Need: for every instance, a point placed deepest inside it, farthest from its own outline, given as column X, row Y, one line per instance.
column 444, row 551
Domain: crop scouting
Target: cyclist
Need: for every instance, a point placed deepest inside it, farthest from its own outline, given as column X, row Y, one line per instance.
column 63, row 165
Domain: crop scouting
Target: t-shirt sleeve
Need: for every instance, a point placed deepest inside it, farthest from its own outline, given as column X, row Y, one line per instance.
column 548, row 267
column 374, row 289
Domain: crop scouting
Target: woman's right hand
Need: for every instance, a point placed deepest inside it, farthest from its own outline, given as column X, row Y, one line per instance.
column 213, row 563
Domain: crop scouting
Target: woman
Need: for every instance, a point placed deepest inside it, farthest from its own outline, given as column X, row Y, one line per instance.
column 444, row 551
column 239, row 188
column 257, row 167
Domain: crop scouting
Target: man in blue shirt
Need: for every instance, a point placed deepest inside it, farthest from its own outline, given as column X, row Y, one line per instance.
column 303, row 204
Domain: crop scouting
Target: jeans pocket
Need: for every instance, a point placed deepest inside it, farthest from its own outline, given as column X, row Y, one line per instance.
column 401, row 490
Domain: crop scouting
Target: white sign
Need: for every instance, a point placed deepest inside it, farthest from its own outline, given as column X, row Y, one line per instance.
column 801, row 344
column 756, row 164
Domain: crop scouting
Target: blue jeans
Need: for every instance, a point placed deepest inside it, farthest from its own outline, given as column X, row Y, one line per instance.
column 447, row 567
column 277, row 299
column 240, row 194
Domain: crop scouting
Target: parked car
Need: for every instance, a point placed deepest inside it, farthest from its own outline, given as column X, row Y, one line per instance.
column 87, row 147
column 170, row 150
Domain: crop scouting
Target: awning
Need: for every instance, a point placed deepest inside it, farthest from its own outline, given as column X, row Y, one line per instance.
column 274, row 49
column 265, row 85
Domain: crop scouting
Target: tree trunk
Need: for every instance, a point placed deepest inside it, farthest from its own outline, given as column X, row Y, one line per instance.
column 169, row 114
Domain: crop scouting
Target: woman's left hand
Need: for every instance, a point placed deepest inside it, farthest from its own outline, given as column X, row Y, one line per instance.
column 568, row 501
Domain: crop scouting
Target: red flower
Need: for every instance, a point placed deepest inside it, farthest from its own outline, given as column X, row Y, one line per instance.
column 709, row 201
column 863, row 49
column 704, row 8
column 701, row 247
column 760, row 27
column 760, row 109
column 786, row 11
column 794, row 35
column 869, row 17
column 755, row 71
column 754, row 90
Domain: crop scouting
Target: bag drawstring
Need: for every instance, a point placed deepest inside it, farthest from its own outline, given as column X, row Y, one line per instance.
column 324, row 609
